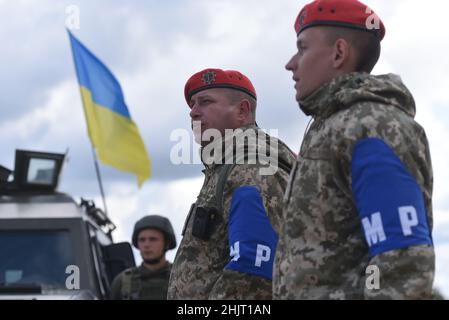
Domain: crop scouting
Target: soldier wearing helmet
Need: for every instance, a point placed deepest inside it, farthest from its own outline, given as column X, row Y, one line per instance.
column 153, row 236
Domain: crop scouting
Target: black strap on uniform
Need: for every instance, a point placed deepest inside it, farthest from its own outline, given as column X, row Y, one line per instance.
column 222, row 178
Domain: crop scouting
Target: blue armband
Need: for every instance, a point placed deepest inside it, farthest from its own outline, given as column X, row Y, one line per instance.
column 388, row 198
column 252, row 239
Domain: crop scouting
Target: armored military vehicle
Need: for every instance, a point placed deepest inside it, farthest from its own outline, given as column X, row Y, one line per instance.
column 52, row 247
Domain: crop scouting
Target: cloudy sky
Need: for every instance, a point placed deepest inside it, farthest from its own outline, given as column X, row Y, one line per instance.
column 153, row 47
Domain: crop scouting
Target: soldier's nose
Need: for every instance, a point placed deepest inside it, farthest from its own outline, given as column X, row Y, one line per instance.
column 290, row 64
column 194, row 112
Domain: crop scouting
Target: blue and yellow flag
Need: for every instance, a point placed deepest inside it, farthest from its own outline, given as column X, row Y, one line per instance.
column 113, row 133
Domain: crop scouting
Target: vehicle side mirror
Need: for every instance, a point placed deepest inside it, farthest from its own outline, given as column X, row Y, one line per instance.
column 117, row 258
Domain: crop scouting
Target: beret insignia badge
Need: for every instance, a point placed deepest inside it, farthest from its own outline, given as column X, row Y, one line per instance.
column 209, row 77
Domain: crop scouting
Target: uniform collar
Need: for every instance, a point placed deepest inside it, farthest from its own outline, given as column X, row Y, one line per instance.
column 224, row 144
column 145, row 272
column 344, row 91
column 324, row 101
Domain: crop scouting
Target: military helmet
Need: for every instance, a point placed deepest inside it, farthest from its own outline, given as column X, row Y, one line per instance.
column 156, row 222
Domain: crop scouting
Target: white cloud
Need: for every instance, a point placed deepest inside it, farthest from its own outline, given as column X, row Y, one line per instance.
column 60, row 115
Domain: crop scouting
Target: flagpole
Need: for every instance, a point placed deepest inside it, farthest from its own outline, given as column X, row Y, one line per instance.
column 100, row 183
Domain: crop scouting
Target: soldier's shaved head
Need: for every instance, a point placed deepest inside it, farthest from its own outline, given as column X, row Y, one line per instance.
column 236, row 96
column 366, row 45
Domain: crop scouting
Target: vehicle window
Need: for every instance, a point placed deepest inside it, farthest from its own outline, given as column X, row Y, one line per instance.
column 35, row 257
column 41, row 171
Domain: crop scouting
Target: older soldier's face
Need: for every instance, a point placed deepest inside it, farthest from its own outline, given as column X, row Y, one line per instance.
column 312, row 64
column 212, row 109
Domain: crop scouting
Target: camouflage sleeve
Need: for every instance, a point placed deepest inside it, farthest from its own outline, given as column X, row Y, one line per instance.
column 271, row 186
column 404, row 274
column 399, row 243
column 233, row 284
column 116, row 288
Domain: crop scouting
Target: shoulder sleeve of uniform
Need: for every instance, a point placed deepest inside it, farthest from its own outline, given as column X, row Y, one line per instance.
column 394, row 219
column 271, row 188
column 233, row 285
column 382, row 159
column 252, row 239
column 401, row 274
column 383, row 139
column 116, row 288
column 389, row 201
column 129, row 271
column 394, row 127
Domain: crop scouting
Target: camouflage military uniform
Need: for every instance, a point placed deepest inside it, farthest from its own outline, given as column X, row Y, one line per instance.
column 199, row 268
column 322, row 252
column 140, row 283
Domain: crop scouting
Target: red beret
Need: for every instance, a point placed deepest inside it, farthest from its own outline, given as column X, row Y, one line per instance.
column 339, row 13
column 217, row 78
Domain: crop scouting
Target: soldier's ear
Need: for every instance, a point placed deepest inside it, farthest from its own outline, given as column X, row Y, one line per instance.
column 341, row 54
column 244, row 110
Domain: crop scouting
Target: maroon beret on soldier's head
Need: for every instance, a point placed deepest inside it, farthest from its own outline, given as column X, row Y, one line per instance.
column 217, row 78
column 339, row 13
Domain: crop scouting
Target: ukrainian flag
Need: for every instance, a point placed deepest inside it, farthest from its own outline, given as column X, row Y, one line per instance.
column 113, row 133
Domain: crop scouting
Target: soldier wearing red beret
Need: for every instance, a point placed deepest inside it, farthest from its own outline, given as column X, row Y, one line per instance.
column 230, row 234
column 358, row 207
